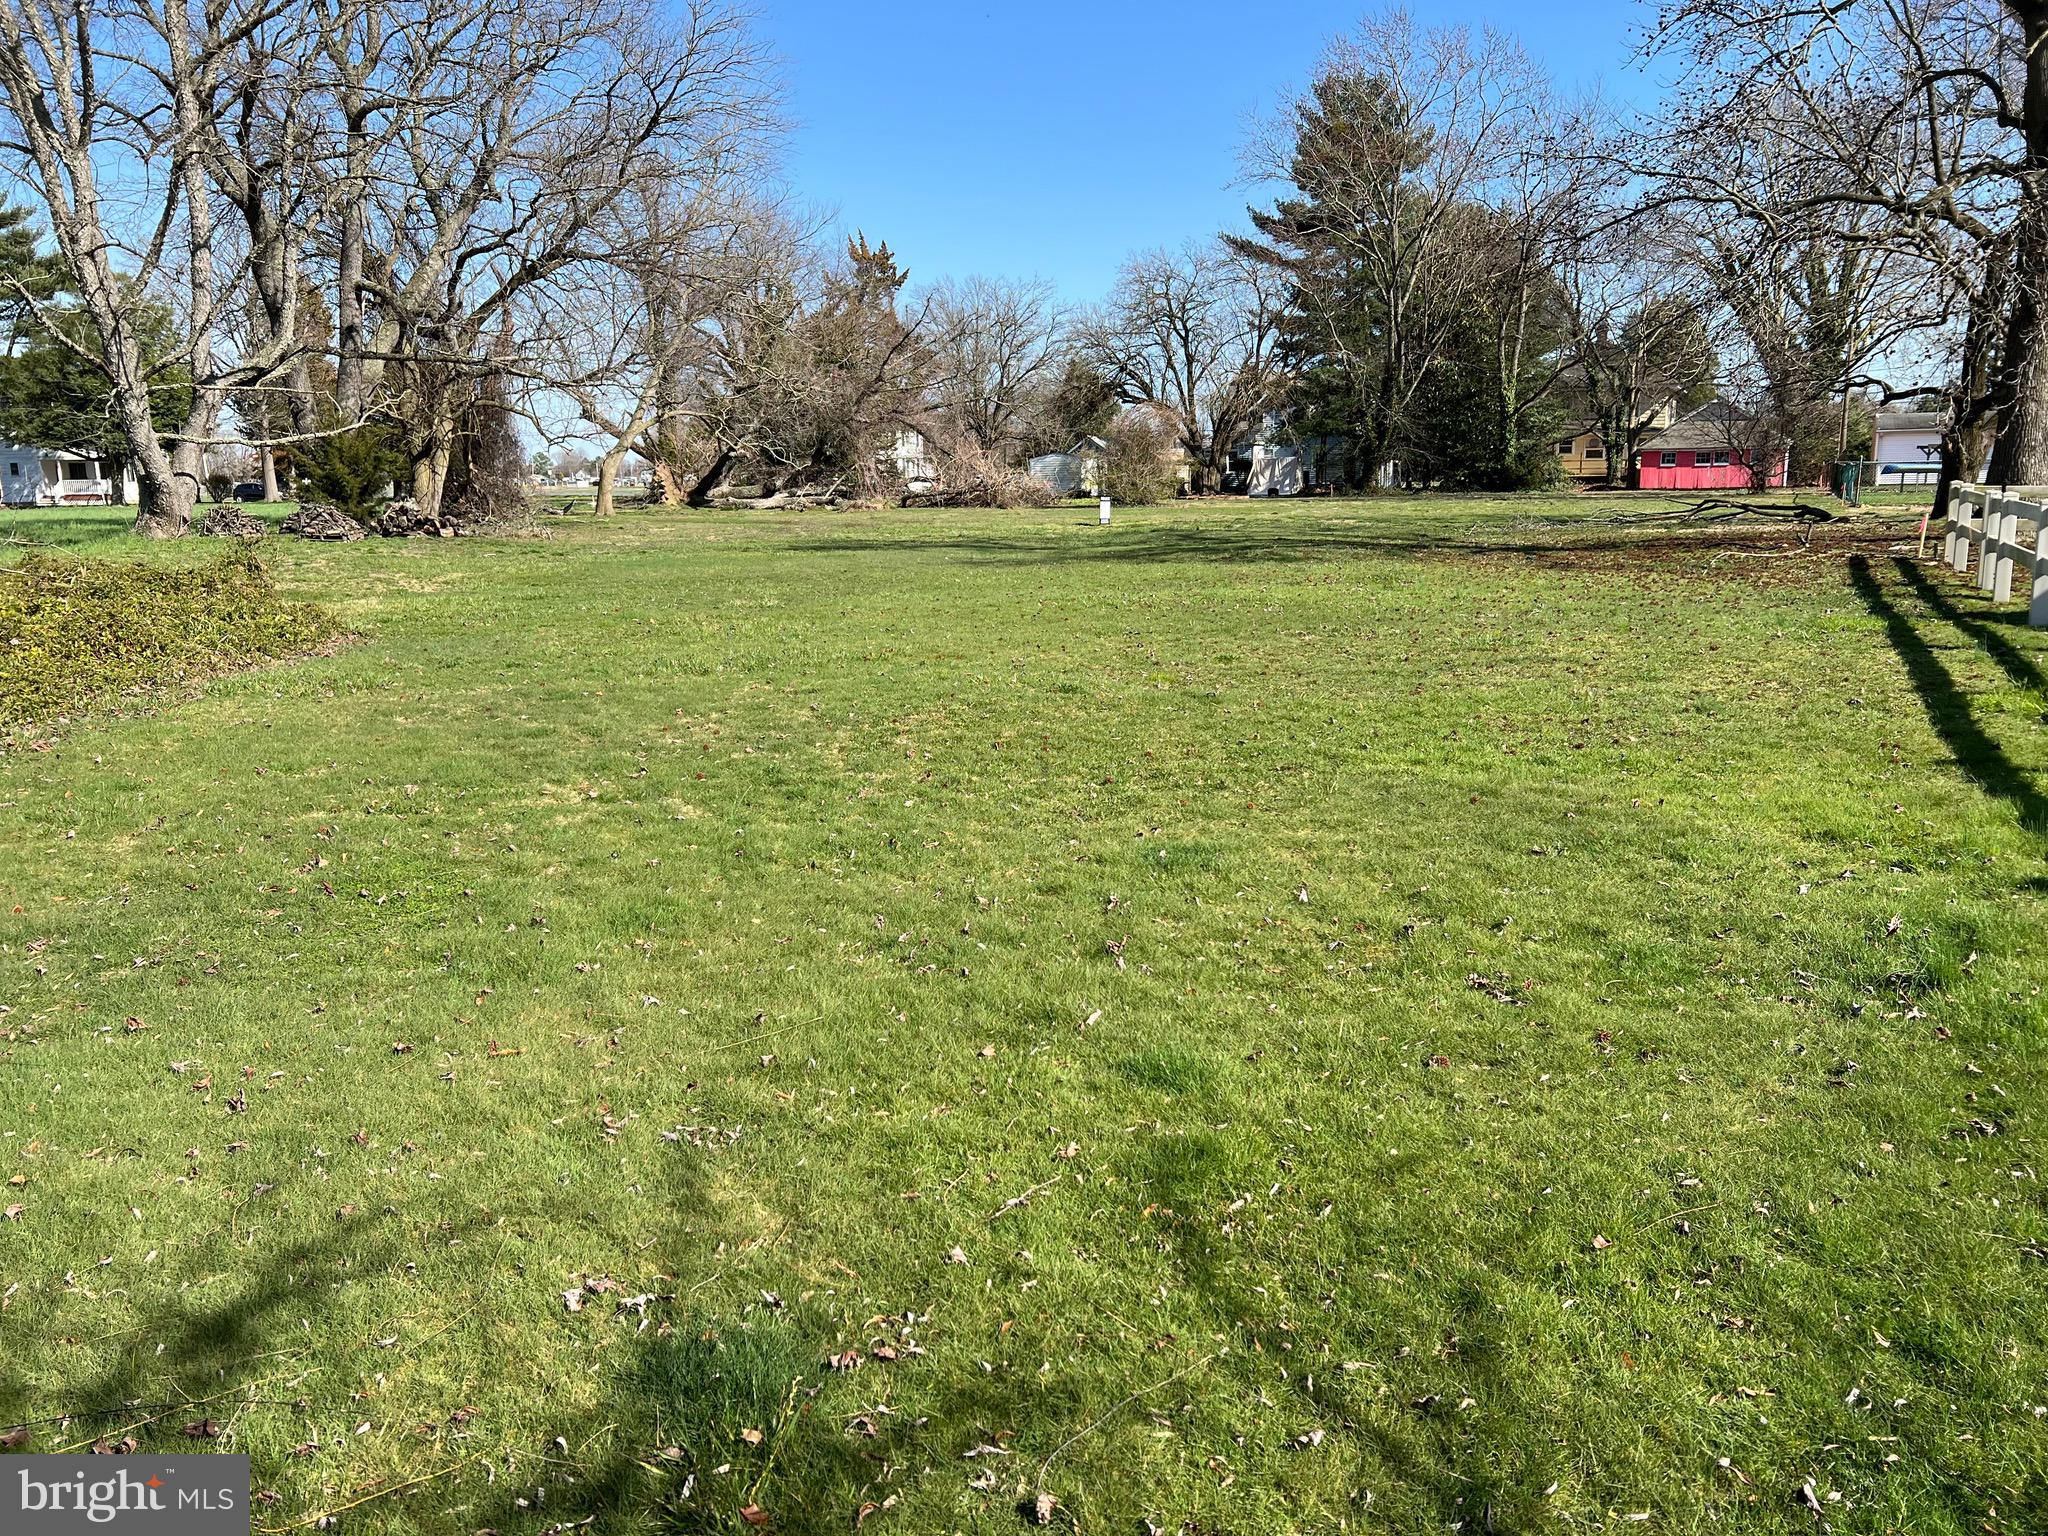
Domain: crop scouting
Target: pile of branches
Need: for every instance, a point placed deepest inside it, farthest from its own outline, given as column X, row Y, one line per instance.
column 972, row 476
column 1717, row 509
column 230, row 522
column 318, row 520
column 401, row 518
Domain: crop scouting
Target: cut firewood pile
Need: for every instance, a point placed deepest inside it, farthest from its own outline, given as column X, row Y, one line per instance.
column 403, row 519
column 318, row 520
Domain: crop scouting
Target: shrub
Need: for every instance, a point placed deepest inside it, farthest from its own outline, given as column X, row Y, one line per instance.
column 73, row 632
column 352, row 470
column 1139, row 469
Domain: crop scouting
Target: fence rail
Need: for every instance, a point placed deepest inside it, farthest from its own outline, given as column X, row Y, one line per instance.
column 1985, row 522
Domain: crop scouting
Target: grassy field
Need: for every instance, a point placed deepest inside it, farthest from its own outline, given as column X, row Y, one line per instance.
column 1395, row 1016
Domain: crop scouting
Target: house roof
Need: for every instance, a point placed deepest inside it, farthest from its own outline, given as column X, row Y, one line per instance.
column 1717, row 424
column 1908, row 421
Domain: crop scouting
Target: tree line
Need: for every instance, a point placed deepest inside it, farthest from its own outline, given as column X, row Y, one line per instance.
column 382, row 241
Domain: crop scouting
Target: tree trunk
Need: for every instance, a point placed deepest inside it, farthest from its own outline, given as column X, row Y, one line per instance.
column 607, row 477
column 700, row 493
column 269, row 475
column 167, row 489
column 2021, row 456
column 430, row 477
column 348, row 296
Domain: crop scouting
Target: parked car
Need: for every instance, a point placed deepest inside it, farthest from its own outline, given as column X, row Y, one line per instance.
column 248, row 490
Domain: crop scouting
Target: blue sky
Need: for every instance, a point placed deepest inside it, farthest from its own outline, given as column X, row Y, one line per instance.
column 1051, row 139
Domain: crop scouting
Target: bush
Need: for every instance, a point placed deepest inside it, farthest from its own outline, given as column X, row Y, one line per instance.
column 1139, row 469
column 73, row 632
column 352, row 470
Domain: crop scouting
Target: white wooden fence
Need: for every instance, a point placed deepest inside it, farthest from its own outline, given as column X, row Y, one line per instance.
column 1987, row 522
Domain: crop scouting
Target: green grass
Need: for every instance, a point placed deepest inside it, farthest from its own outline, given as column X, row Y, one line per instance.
column 1417, row 1014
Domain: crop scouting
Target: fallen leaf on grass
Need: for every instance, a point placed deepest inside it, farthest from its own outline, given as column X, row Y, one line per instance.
column 14, row 1212
column 201, row 1429
column 957, row 1255
column 1042, row 1508
column 15, row 1438
column 752, row 1436
column 754, row 1514
column 1600, row 1241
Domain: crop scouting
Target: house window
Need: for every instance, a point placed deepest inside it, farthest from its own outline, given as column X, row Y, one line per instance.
column 14, row 469
column 1564, row 447
column 1596, row 451
column 1720, row 458
column 73, row 470
column 1667, row 460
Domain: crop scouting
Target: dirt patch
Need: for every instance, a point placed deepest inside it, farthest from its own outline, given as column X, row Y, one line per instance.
column 1758, row 556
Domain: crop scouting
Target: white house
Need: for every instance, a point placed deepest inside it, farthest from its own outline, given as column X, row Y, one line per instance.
column 1907, row 447
column 911, row 456
column 40, row 477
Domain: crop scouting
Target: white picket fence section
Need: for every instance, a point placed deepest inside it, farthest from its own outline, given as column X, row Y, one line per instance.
column 1985, row 521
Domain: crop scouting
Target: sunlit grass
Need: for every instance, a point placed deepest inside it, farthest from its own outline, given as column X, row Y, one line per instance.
column 1409, row 1012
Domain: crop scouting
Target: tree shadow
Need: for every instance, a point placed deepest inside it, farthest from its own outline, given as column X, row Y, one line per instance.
column 183, row 1364
column 713, row 1410
column 1948, row 706
column 1563, row 544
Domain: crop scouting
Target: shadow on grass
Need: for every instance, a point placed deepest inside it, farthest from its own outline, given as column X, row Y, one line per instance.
column 716, row 1407
column 1987, row 628
column 1565, row 544
column 183, row 1364
column 1947, row 705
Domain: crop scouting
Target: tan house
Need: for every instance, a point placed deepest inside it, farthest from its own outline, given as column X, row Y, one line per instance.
column 1582, row 448
column 1582, row 452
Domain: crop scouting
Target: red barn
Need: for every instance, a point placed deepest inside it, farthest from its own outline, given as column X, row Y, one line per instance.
column 1705, row 450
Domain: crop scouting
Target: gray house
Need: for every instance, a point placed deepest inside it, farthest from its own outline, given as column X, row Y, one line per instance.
column 43, row 477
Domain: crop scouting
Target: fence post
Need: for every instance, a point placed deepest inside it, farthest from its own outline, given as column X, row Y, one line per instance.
column 2008, row 550
column 2037, row 610
column 1948, row 526
column 1965, row 502
column 1987, row 549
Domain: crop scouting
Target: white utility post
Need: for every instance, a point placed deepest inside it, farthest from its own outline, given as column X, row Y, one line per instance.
column 1103, row 517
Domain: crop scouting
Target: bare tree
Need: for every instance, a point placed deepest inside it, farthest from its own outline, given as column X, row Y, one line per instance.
column 1913, row 139
column 619, row 348
column 135, row 98
column 996, row 347
column 1195, row 334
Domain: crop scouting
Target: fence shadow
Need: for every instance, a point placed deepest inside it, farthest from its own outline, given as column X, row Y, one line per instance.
column 1947, row 705
column 1987, row 628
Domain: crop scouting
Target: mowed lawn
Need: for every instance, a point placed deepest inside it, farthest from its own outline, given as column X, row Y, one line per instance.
column 1400, row 1016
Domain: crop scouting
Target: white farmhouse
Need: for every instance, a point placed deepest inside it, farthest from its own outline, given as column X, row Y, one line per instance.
column 43, row 477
